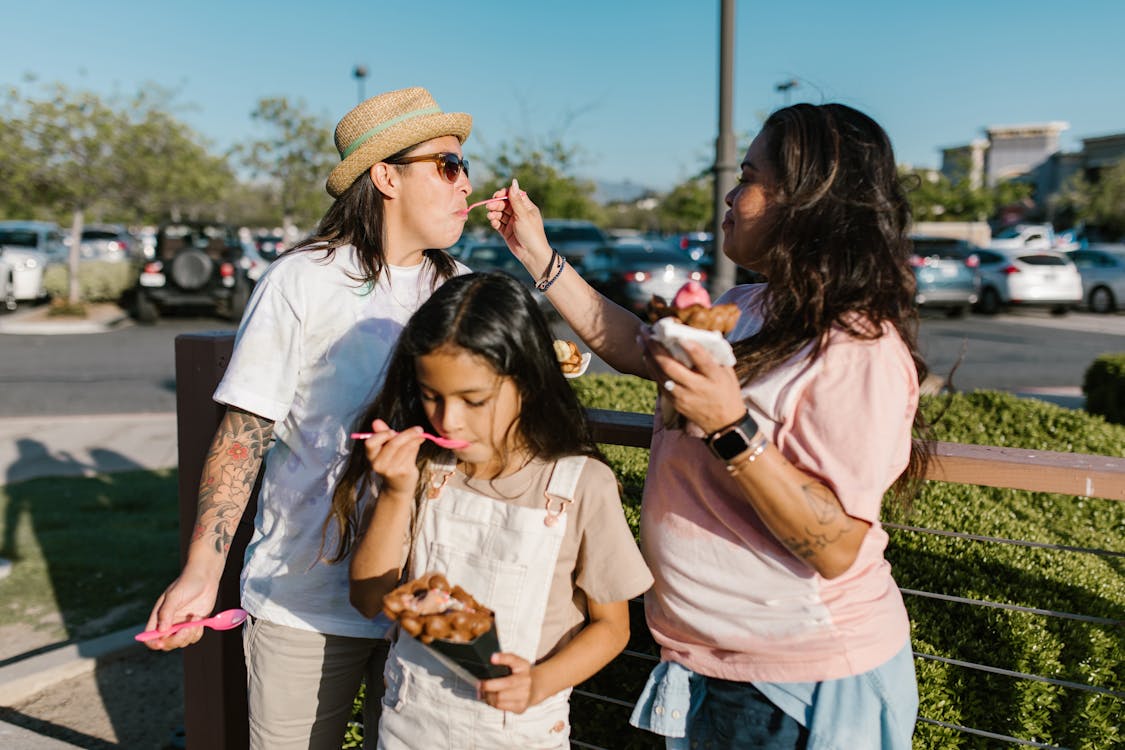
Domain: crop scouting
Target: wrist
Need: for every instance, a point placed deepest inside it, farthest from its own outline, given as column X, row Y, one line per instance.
column 204, row 564
column 534, row 694
column 735, row 439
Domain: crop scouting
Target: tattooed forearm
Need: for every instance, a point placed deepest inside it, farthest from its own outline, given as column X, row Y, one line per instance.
column 823, row 504
column 228, row 477
column 832, row 523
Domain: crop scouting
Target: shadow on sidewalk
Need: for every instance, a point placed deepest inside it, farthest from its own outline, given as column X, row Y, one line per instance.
column 98, row 543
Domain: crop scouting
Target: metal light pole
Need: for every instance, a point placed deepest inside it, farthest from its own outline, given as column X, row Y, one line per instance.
column 360, row 74
column 726, row 159
column 785, row 87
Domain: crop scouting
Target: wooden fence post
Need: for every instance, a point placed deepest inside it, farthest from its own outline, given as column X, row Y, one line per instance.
column 215, row 709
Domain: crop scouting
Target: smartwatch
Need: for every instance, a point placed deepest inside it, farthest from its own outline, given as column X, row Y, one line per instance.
column 732, row 440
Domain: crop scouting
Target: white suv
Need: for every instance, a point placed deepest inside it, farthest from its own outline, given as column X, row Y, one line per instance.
column 1027, row 278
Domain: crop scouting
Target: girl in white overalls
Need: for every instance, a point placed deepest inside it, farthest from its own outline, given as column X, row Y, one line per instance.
column 526, row 518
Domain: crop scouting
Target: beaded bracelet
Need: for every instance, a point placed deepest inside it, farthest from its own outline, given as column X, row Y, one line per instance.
column 546, row 283
column 757, row 448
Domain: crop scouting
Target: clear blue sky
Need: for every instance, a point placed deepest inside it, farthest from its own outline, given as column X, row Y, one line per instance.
column 632, row 83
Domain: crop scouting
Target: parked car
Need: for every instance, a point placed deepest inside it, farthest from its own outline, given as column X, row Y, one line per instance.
column 28, row 247
column 7, row 287
column 1027, row 278
column 1103, row 278
column 945, row 272
column 42, row 236
column 1032, row 237
column 270, row 245
column 107, row 242
column 575, row 238
column 494, row 255
column 196, row 265
column 630, row 272
column 700, row 246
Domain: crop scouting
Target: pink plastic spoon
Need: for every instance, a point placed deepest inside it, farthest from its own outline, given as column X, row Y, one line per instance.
column 481, row 203
column 225, row 620
column 444, row 442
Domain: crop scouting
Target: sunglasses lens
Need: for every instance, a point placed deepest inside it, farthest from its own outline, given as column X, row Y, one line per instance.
column 452, row 165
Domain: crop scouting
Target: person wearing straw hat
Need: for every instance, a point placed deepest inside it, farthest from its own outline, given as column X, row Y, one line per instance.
column 308, row 355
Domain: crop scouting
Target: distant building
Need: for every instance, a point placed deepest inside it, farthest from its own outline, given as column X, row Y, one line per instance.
column 1016, row 151
column 1030, row 153
column 965, row 162
column 1101, row 152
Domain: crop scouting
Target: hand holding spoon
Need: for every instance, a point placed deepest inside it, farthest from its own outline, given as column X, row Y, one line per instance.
column 225, row 620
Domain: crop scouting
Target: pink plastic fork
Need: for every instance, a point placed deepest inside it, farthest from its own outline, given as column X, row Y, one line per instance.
column 444, row 442
column 481, row 203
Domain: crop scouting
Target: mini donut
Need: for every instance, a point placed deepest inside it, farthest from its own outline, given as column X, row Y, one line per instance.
column 437, row 626
column 410, row 624
column 437, row 581
column 568, row 355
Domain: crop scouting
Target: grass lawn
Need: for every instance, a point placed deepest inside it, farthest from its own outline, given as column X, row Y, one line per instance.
column 90, row 555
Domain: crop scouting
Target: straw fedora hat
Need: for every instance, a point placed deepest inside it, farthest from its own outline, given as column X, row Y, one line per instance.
column 386, row 124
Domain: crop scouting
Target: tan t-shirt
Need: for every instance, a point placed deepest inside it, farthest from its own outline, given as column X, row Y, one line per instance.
column 598, row 559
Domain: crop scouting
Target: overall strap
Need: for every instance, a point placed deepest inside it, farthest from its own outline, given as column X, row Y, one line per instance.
column 439, row 472
column 564, row 477
column 561, row 486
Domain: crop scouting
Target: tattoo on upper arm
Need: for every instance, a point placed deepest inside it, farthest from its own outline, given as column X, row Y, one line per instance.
column 229, row 473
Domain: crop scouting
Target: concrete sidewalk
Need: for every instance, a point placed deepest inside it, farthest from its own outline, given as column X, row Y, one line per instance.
column 85, row 445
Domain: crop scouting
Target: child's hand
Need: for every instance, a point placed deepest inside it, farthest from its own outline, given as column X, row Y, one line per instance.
column 393, row 456
column 514, row 693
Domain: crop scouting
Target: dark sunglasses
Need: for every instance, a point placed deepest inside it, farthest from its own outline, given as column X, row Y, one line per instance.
column 449, row 165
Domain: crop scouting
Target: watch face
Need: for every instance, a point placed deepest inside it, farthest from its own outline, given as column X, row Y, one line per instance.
column 730, row 444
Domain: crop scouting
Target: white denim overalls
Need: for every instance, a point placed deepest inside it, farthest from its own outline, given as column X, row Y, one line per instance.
column 505, row 556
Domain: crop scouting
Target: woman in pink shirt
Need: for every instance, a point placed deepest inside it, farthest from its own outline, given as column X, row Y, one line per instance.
column 778, row 618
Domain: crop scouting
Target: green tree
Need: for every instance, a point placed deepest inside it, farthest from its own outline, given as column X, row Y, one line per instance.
column 73, row 139
column 1099, row 204
column 17, row 196
column 545, row 173
column 294, row 158
column 168, row 168
column 688, row 206
column 933, row 197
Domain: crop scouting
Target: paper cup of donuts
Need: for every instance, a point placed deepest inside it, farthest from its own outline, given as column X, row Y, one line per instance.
column 458, row 630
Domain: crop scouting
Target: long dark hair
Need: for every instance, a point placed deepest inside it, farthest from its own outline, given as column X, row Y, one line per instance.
column 491, row 316
column 836, row 253
column 357, row 218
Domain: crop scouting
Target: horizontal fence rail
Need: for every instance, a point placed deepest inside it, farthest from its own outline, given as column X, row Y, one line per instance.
column 985, row 465
column 214, row 672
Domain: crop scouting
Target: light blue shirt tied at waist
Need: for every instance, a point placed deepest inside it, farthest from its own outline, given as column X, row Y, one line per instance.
column 876, row 709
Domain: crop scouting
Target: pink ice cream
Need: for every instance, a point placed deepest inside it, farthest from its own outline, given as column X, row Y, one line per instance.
column 691, row 293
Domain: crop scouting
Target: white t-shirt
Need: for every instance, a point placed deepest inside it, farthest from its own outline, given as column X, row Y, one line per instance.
column 309, row 355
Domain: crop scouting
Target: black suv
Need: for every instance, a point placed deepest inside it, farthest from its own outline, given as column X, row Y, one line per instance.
column 195, row 265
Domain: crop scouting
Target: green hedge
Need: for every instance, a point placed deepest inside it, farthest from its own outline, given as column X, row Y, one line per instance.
column 98, row 280
column 1070, row 582
column 1104, row 387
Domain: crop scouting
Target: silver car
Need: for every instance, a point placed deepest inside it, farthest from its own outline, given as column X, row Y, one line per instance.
column 1103, row 278
column 107, row 243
